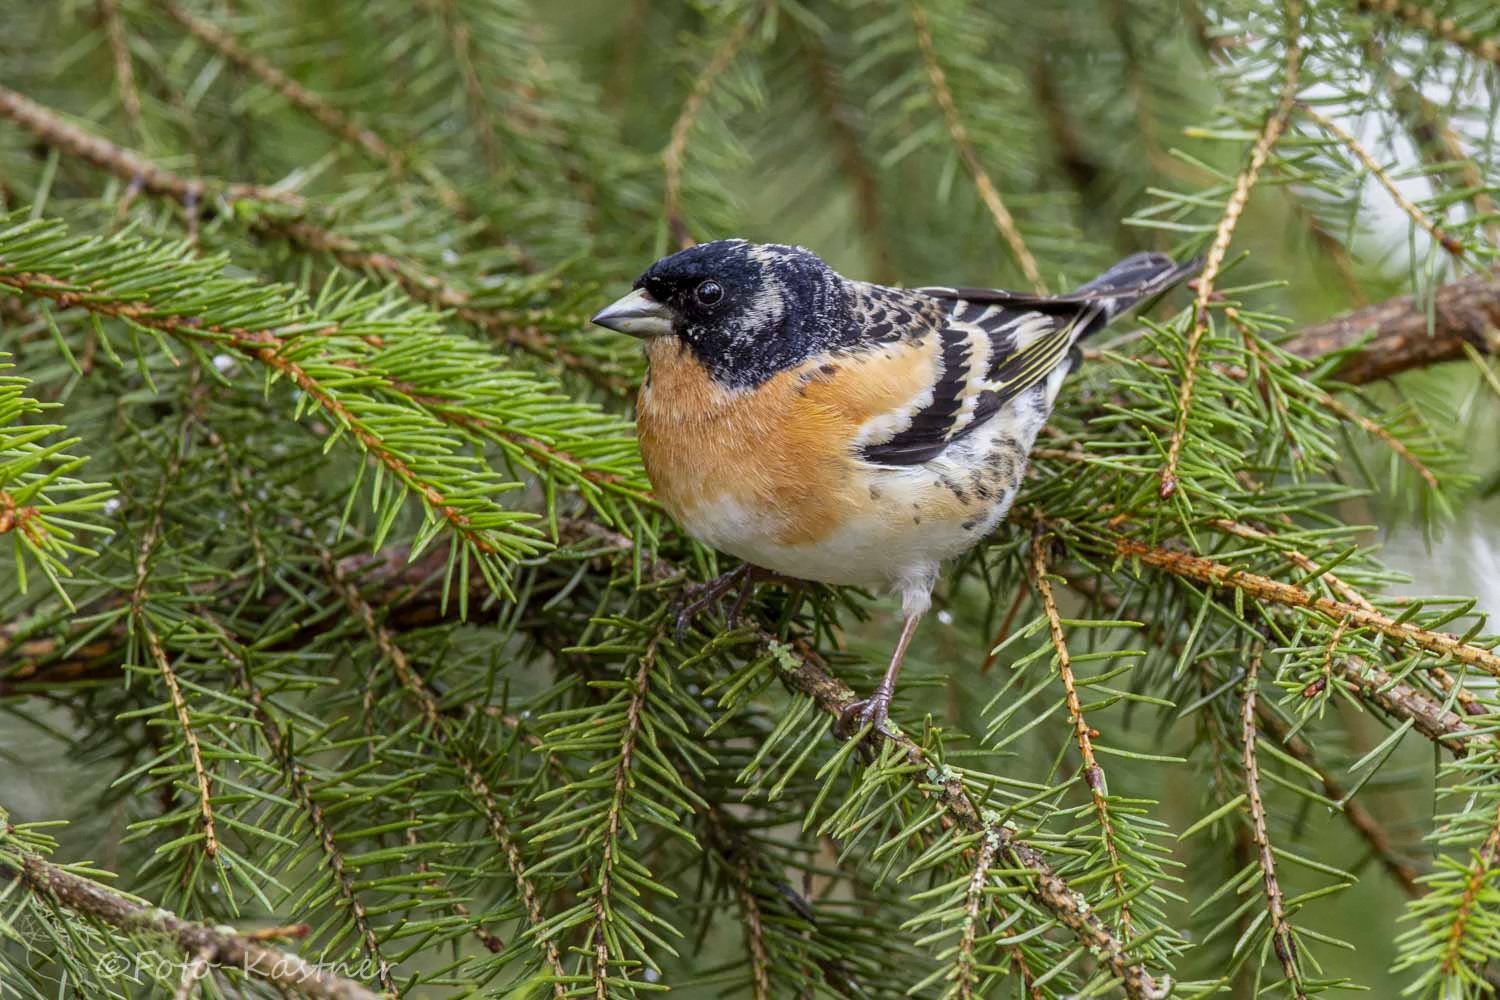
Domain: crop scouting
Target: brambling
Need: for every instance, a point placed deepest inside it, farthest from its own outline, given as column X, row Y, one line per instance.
column 844, row 432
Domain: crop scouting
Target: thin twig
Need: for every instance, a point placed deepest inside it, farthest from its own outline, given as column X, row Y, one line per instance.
column 1445, row 28
column 1361, row 819
column 682, row 128
column 1045, row 887
column 1093, row 774
column 1275, row 124
column 320, row 109
column 639, row 689
column 134, row 168
column 119, row 48
column 1262, row 588
column 223, row 947
column 1454, row 953
column 1282, row 941
column 988, row 192
column 974, row 901
column 443, row 732
column 1343, row 135
column 149, row 539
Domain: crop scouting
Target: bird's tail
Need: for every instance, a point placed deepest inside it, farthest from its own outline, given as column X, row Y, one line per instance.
column 1133, row 280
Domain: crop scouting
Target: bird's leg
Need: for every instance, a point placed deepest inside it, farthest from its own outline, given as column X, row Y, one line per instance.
column 699, row 597
column 875, row 709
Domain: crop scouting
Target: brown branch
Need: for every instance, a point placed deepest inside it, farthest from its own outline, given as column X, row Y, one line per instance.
column 1282, row 941
column 682, row 128
column 1005, row 223
column 1093, row 774
column 138, row 171
column 134, row 168
column 755, row 934
column 220, row 947
column 1262, row 588
column 974, row 900
column 1402, row 333
column 1413, row 15
column 1275, row 124
column 141, row 620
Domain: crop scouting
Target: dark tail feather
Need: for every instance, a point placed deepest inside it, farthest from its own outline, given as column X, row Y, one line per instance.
column 1138, row 277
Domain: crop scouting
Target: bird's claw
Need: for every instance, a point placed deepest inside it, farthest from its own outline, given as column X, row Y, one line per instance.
column 873, row 711
column 699, row 597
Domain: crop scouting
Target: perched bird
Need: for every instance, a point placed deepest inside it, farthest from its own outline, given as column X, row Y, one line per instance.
column 844, row 432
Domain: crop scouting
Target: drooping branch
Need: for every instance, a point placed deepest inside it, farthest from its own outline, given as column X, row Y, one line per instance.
column 217, row 945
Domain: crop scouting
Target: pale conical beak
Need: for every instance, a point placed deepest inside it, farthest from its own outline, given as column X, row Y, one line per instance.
column 637, row 314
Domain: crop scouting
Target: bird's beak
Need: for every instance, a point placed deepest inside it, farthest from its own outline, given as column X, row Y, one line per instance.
column 637, row 314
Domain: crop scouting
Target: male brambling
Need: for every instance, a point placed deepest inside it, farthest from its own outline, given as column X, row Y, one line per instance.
column 844, row 432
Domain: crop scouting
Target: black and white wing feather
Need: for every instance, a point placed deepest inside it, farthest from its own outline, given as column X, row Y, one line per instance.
column 994, row 345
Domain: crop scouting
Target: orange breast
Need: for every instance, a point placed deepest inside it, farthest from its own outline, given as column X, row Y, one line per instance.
column 784, row 450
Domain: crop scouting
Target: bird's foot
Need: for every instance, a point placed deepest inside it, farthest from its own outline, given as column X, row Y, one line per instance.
column 873, row 711
column 700, row 597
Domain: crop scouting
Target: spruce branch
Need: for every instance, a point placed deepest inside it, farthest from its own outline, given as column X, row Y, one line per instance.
column 1275, row 124
column 1217, row 574
column 1426, row 20
column 806, row 674
column 318, row 108
column 1093, row 774
column 218, row 946
column 682, row 128
column 1282, row 941
column 1005, row 223
column 1367, row 159
column 119, row 49
column 448, row 737
column 295, row 777
column 52, row 129
column 1375, row 836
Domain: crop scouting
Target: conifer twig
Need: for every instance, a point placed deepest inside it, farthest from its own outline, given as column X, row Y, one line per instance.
column 443, row 732
column 1361, row 819
column 1454, row 953
column 1093, row 774
column 1217, row 574
column 321, row 110
column 1423, row 222
column 1005, row 223
column 1282, row 941
column 1044, row 886
column 1425, row 19
column 149, row 539
column 462, row 44
column 682, row 128
column 119, row 48
column 630, row 732
column 1271, row 131
column 134, row 168
column 221, row 947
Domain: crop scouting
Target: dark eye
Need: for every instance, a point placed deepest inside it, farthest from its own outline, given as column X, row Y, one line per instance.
column 709, row 292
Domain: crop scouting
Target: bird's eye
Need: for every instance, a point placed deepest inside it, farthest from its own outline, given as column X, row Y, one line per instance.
column 709, row 292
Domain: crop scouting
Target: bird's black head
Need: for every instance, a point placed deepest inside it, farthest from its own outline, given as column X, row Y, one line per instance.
column 745, row 310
